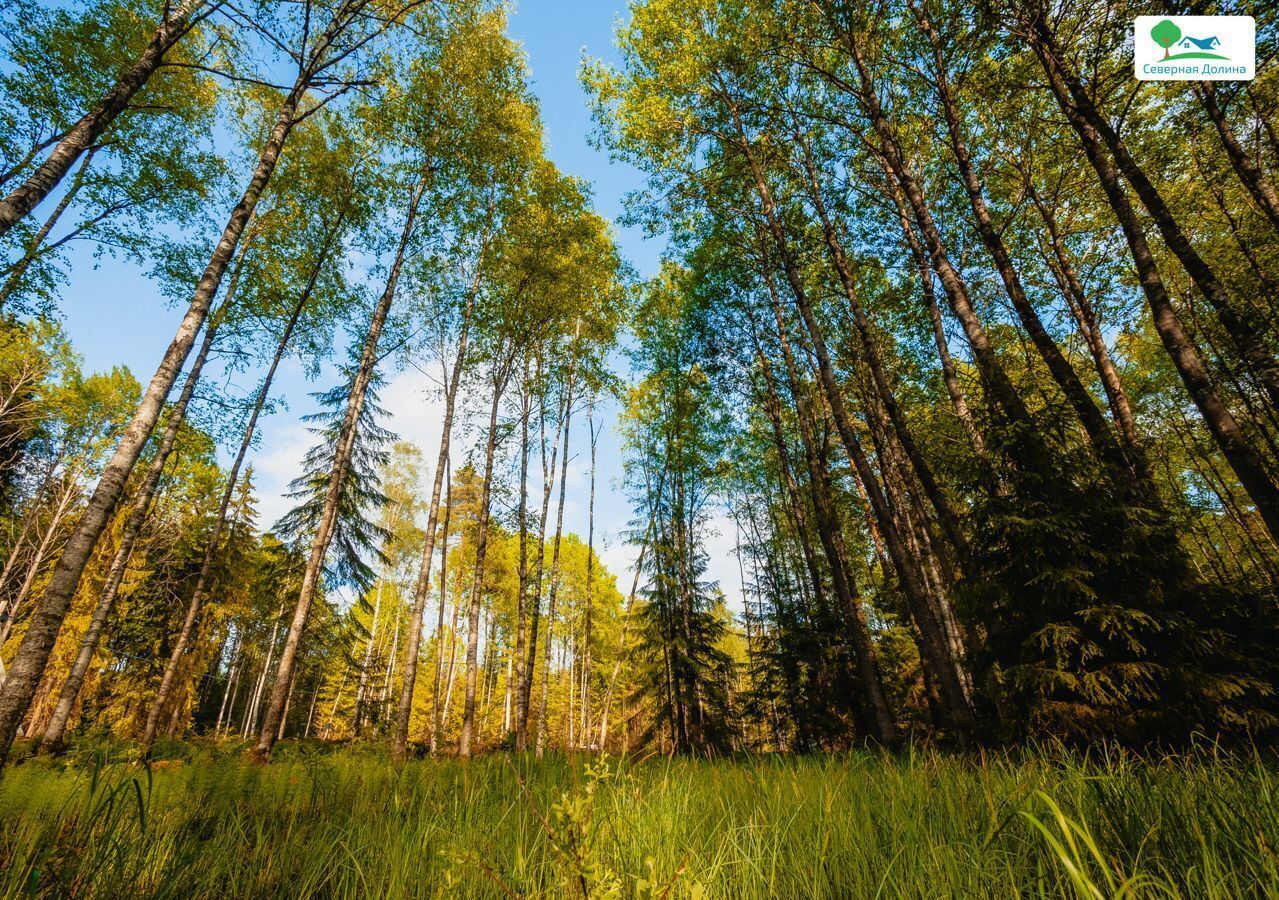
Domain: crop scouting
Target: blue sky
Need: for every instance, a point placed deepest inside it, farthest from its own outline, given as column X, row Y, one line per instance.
column 555, row 33
column 114, row 316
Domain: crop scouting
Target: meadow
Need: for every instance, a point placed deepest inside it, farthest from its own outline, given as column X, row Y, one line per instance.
column 346, row 823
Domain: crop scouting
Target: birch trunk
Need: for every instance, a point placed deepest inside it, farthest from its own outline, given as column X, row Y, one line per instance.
column 1062, row 372
column 55, row 731
column 535, row 611
column 37, row 643
column 992, row 371
column 959, row 713
column 832, row 539
column 1250, row 174
column 214, row 543
column 941, row 506
column 584, row 731
column 33, row 571
column 515, row 679
column 84, row 133
column 422, row 588
column 950, row 377
column 232, row 672
column 555, row 569
column 1068, row 280
column 437, row 708
column 477, row 583
column 1229, row 436
column 346, row 443
column 32, row 253
column 1245, row 332
column 361, row 688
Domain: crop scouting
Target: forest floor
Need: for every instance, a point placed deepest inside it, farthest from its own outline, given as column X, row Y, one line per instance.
column 347, row 823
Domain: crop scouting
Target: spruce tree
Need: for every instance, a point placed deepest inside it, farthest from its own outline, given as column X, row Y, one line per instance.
column 358, row 539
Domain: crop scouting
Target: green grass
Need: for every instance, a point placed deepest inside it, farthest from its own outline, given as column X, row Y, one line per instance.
column 349, row 824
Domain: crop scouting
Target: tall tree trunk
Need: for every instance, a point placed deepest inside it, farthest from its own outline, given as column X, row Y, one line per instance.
column 622, row 650
column 310, row 715
column 489, row 667
column 341, row 461
column 1246, row 463
column 477, row 584
column 32, row 252
column 1268, row 300
column 422, row 588
column 998, row 384
column 255, row 703
column 584, row 731
column 85, row 132
column 923, row 471
column 950, row 377
column 522, row 651
column 1068, row 280
column 10, row 615
column 1062, row 372
column 1245, row 332
column 233, row 672
column 959, row 713
column 449, row 680
column 508, row 693
column 437, row 708
column 535, row 610
column 830, row 533
column 15, row 551
column 249, row 714
column 213, row 546
column 392, row 657
column 55, row 731
column 37, row 643
column 555, row 572
column 771, row 402
column 571, row 652
column 1250, row 174
column 361, row 689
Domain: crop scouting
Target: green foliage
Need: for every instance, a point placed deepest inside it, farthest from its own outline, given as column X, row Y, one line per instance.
column 1094, row 627
column 347, row 824
column 154, row 167
column 357, row 537
column 673, row 467
column 860, row 198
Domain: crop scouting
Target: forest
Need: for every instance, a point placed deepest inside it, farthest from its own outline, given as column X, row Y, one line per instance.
column 944, row 432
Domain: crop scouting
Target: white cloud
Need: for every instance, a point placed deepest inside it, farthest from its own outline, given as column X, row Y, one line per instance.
column 721, row 552
column 277, row 463
column 415, row 407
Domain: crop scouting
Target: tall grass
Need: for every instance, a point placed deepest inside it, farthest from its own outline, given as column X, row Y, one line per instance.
column 349, row 824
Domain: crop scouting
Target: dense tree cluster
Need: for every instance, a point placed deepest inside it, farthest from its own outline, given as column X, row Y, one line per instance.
column 380, row 185
column 975, row 339
column 965, row 341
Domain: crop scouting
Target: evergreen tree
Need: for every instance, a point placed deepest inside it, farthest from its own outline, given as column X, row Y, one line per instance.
column 675, row 427
column 358, row 538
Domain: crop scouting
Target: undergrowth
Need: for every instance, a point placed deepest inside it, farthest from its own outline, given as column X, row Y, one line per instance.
column 203, row 823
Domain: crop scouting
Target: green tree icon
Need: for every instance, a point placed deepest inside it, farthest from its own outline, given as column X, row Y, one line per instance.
column 1165, row 33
